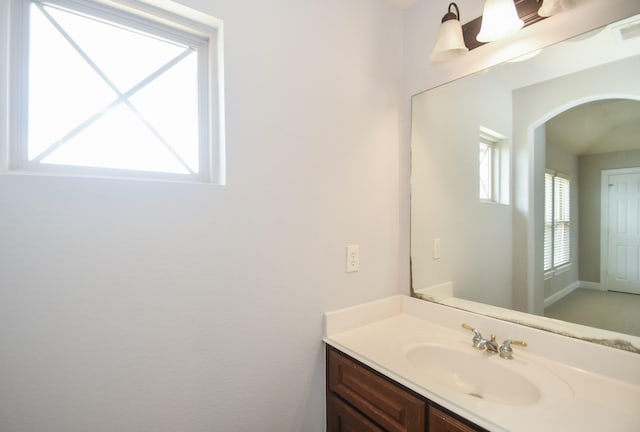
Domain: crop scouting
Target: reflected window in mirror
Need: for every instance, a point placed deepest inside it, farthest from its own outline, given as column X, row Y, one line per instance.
column 488, row 156
column 493, row 148
column 557, row 227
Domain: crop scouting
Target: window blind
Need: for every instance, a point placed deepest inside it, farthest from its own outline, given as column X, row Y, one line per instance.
column 562, row 220
column 557, row 221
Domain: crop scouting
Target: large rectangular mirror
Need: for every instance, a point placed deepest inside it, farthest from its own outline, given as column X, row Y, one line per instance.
column 525, row 189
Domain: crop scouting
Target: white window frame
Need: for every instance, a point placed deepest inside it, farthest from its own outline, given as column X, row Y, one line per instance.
column 173, row 21
column 556, row 268
column 499, row 158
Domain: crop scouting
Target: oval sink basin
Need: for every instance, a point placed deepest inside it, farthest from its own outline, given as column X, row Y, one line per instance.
column 475, row 373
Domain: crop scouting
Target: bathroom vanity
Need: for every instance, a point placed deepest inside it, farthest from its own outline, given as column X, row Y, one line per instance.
column 401, row 364
column 359, row 399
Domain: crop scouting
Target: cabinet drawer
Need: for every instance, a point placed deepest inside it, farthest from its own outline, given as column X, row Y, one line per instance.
column 342, row 418
column 384, row 402
column 441, row 422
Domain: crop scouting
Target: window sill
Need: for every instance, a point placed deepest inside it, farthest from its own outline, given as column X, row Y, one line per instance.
column 483, row 201
column 87, row 176
column 557, row 271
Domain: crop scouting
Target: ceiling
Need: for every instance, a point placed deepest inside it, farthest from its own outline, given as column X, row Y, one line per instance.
column 597, row 127
column 403, row 4
column 607, row 125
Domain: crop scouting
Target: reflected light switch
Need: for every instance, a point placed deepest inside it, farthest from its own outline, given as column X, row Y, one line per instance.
column 436, row 248
column 353, row 258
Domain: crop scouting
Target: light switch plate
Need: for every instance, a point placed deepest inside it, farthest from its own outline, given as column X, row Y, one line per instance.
column 353, row 258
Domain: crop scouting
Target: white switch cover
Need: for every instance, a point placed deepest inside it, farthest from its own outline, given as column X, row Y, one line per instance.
column 353, row 258
column 436, row 248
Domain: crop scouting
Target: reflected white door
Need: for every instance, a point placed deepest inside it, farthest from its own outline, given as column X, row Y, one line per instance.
column 623, row 262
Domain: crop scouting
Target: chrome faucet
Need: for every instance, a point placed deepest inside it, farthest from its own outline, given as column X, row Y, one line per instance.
column 491, row 346
column 480, row 343
column 506, row 352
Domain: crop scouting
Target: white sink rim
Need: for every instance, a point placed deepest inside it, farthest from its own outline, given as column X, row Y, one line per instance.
column 484, row 376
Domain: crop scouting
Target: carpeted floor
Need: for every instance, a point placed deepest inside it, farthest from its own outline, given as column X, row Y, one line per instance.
column 607, row 310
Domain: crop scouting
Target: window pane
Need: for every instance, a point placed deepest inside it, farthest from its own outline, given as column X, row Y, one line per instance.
column 63, row 90
column 170, row 105
column 562, row 196
column 548, row 198
column 115, row 49
column 486, row 176
column 548, row 221
column 117, row 140
column 548, row 247
column 94, row 103
column 561, row 221
column 561, row 245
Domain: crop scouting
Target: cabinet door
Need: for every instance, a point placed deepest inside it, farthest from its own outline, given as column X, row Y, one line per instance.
column 342, row 418
column 441, row 422
column 384, row 402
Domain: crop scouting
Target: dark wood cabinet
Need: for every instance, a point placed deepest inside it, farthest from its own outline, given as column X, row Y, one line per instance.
column 441, row 422
column 342, row 418
column 360, row 399
column 379, row 399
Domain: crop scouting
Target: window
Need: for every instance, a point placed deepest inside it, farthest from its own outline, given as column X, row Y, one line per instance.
column 493, row 167
column 113, row 91
column 557, row 221
column 488, row 164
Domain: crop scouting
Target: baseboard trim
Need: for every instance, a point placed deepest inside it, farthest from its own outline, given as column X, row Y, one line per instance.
column 590, row 285
column 561, row 294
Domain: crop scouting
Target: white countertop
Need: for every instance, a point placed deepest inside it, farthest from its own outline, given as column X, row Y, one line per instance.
column 584, row 386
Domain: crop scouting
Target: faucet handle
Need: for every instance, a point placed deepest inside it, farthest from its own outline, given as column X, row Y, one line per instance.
column 506, row 351
column 474, row 330
column 477, row 336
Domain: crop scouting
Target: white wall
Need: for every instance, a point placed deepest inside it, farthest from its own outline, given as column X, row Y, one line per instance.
column 149, row 306
column 445, row 200
column 137, row 306
column 590, row 168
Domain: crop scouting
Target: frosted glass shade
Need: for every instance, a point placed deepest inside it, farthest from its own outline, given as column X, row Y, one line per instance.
column 553, row 7
column 499, row 20
column 450, row 42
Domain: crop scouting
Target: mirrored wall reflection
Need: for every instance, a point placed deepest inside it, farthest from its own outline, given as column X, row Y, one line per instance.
column 482, row 147
column 595, row 143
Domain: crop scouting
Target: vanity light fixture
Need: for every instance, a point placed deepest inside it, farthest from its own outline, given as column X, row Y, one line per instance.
column 450, row 42
column 499, row 20
column 553, row 7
